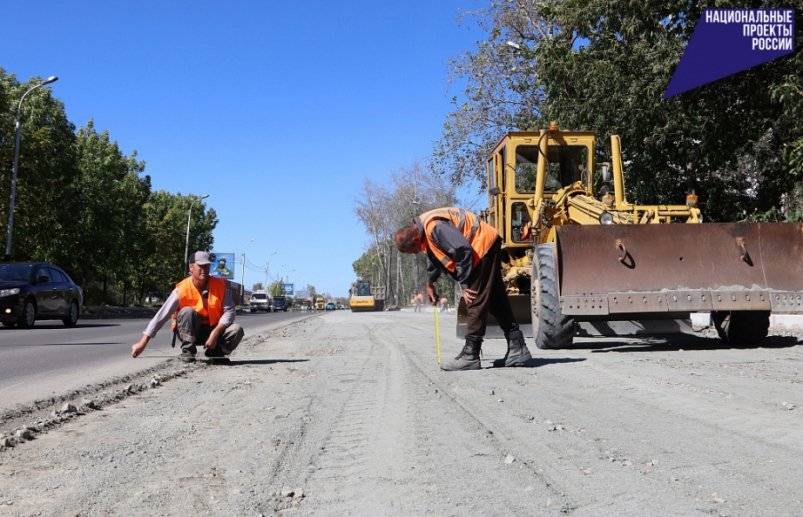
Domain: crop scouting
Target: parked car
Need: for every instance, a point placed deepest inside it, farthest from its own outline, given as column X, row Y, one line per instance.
column 330, row 306
column 31, row 291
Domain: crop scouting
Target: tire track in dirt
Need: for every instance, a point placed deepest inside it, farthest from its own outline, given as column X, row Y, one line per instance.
column 330, row 438
column 489, row 432
column 608, row 421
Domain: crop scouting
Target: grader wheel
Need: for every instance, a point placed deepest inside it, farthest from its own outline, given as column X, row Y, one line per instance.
column 551, row 329
column 741, row 327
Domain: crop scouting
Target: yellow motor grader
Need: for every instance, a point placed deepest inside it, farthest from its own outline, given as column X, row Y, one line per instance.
column 592, row 256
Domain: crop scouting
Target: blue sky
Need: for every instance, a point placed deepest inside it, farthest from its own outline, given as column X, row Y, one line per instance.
column 279, row 110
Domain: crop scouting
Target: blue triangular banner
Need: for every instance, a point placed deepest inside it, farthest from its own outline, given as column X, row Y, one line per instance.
column 727, row 41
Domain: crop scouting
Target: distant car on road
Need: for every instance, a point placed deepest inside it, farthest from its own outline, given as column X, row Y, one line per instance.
column 31, row 291
column 259, row 301
column 331, row 306
column 279, row 304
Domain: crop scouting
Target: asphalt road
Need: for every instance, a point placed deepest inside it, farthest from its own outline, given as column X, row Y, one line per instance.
column 50, row 359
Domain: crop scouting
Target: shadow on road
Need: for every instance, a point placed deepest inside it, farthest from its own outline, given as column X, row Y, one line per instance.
column 676, row 343
column 62, row 327
column 71, row 344
column 543, row 361
column 236, row 362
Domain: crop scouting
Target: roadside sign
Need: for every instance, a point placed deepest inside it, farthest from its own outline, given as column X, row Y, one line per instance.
column 288, row 289
column 222, row 265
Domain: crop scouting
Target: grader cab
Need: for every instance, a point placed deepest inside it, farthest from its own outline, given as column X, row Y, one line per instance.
column 593, row 256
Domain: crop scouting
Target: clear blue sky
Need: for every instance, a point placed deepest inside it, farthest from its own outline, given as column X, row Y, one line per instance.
column 279, row 110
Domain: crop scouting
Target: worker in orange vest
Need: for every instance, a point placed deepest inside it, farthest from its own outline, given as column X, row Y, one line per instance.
column 468, row 250
column 203, row 310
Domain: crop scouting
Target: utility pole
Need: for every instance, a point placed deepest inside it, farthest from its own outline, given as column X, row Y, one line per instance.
column 242, row 278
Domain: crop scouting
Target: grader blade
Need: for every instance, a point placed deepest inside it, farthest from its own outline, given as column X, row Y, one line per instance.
column 620, row 271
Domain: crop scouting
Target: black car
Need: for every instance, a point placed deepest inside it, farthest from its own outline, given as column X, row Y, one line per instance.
column 279, row 303
column 31, row 291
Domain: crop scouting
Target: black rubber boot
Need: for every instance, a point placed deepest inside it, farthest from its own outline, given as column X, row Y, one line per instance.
column 468, row 358
column 187, row 353
column 517, row 352
column 216, row 356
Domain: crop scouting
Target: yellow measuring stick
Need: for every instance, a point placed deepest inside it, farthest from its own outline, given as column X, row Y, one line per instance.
column 437, row 334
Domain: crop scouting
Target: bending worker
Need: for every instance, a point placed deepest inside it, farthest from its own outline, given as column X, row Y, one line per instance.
column 204, row 312
column 456, row 241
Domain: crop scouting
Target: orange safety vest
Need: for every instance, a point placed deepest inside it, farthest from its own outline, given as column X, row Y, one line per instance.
column 479, row 234
column 188, row 296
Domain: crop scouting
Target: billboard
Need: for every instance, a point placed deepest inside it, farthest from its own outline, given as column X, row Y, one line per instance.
column 222, row 265
column 288, row 289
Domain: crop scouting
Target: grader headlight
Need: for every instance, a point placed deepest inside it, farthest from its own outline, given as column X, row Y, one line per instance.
column 605, row 218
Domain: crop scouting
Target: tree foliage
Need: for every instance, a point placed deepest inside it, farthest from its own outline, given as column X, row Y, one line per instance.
column 384, row 209
column 603, row 65
column 276, row 288
column 85, row 205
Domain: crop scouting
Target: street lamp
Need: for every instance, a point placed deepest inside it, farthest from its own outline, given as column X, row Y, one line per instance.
column 12, row 197
column 187, row 240
column 267, row 269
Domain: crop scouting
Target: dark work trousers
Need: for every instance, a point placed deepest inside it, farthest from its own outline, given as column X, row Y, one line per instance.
column 486, row 280
column 192, row 332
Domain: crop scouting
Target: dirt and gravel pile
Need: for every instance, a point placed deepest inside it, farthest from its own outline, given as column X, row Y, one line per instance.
column 347, row 414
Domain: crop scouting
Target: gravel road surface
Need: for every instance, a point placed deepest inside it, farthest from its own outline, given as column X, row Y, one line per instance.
column 347, row 414
column 49, row 359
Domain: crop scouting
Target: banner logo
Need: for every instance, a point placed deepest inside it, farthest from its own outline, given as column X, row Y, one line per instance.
column 727, row 41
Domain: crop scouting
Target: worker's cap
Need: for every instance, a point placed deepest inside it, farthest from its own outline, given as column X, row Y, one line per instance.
column 202, row 258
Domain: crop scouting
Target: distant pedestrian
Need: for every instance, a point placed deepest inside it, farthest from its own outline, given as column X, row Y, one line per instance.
column 444, row 303
column 468, row 250
column 419, row 301
column 203, row 310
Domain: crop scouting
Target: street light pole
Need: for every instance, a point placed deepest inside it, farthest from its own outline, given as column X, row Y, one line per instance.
column 187, row 239
column 12, row 197
column 267, row 269
column 242, row 278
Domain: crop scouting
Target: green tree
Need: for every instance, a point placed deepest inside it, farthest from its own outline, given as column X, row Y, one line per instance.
column 85, row 205
column 46, row 171
column 276, row 288
column 108, row 198
column 165, row 220
column 603, row 65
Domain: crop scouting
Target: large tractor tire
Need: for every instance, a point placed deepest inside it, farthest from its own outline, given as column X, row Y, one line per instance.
column 741, row 327
column 552, row 330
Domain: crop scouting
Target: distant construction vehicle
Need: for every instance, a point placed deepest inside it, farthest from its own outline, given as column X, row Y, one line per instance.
column 595, row 257
column 320, row 303
column 364, row 298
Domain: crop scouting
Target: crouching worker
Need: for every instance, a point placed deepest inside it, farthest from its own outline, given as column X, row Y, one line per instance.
column 203, row 310
column 469, row 250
